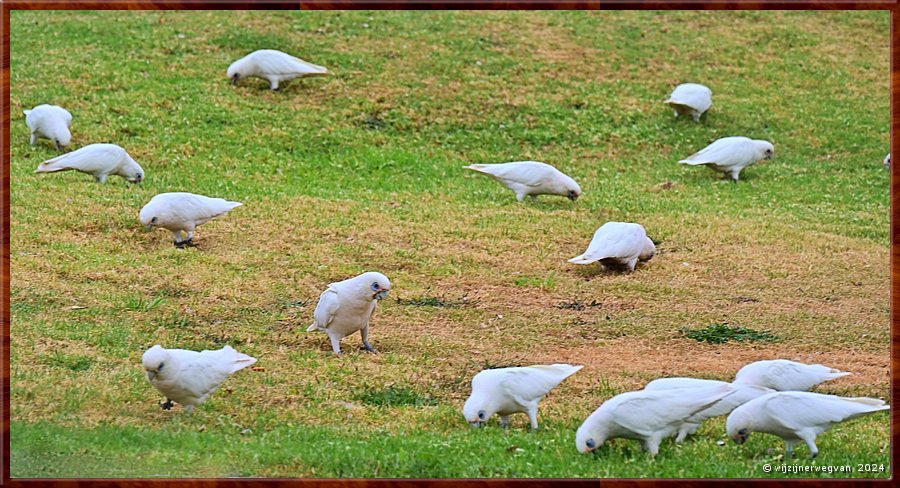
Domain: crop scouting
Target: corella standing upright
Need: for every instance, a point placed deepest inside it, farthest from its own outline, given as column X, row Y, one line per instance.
column 347, row 306
column 273, row 66
column 182, row 212
column 509, row 390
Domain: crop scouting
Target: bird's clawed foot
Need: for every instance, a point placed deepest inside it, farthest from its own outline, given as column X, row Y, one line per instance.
column 185, row 243
column 168, row 405
column 369, row 348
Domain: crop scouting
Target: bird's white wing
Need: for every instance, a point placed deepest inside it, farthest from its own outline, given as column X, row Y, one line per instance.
column 696, row 96
column 528, row 173
column 95, row 158
column 612, row 242
column 328, row 305
column 66, row 116
column 285, row 64
column 203, row 372
column 533, row 382
column 650, row 411
column 670, row 383
column 799, row 410
column 724, row 152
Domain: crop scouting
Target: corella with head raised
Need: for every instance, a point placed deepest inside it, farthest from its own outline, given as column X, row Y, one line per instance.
column 347, row 306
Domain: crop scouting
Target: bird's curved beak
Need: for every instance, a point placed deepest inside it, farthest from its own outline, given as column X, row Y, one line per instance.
column 234, row 79
column 572, row 196
column 740, row 439
column 476, row 425
column 380, row 295
column 148, row 227
column 151, row 375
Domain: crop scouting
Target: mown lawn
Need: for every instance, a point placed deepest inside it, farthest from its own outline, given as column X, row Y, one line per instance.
column 362, row 171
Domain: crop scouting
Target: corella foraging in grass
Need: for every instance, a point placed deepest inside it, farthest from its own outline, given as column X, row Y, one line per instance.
column 347, row 306
column 886, row 163
column 50, row 122
column 648, row 416
column 690, row 99
column 182, row 212
column 743, row 393
column 530, row 178
column 272, row 66
column 505, row 391
column 618, row 244
column 729, row 155
column 796, row 416
column 784, row 375
column 189, row 377
column 98, row 160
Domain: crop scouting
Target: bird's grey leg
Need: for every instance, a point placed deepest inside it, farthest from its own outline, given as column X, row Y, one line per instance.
column 168, row 405
column 651, row 444
column 273, row 84
column 532, row 416
column 810, row 440
column 734, row 175
column 788, row 449
column 676, row 113
column 696, row 116
column 178, row 242
column 631, row 264
column 190, row 239
column 364, row 332
column 682, row 433
column 504, row 421
column 33, row 138
column 100, row 178
column 335, row 344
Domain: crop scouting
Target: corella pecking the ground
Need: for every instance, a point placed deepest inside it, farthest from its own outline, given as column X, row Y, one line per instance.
column 618, row 244
column 531, row 178
column 743, row 393
column 784, row 375
column 648, row 416
column 97, row 160
column 50, row 122
column 690, row 99
column 182, row 212
column 796, row 416
column 189, row 377
column 347, row 306
column 729, row 155
column 505, row 391
column 272, row 66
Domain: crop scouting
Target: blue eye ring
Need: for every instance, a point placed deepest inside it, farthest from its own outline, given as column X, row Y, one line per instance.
column 590, row 443
column 481, row 414
column 375, row 286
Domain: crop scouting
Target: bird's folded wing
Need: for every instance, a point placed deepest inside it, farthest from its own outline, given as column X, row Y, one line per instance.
column 531, row 383
column 798, row 411
column 286, row 64
column 326, row 308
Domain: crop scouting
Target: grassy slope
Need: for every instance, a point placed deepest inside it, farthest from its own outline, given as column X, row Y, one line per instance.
column 361, row 171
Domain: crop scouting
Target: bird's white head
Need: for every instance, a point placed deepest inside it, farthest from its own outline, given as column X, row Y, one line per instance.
column 148, row 216
column 766, row 149
column 132, row 172
column 589, row 436
column 62, row 138
column 375, row 284
column 737, row 426
column 477, row 410
column 574, row 191
column 155, row 362
column 237, row 70
column 648, row 251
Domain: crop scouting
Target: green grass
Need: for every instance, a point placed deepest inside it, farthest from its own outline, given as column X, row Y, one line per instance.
column 722, row 333
column 362, row 170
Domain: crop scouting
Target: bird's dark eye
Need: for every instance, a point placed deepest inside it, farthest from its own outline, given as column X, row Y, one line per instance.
column 481, row 414
column 742, row 432
column 375, row 286
column 153, row 220
column 160, row 367
column 590, row 443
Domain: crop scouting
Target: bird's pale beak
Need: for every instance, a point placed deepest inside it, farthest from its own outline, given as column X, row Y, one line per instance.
column 151, row 375
column 380, row 295
column 739, row 439
column 148, row 227
column 476, row 425
column 572, row 196
column 234, row 79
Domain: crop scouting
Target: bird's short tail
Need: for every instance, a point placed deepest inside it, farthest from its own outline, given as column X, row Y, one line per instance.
column 476, row 167
column 869, row 401
column 312, row 327
column 583, row 259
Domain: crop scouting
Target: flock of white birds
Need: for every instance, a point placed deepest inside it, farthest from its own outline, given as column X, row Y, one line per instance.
column 765, row 396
